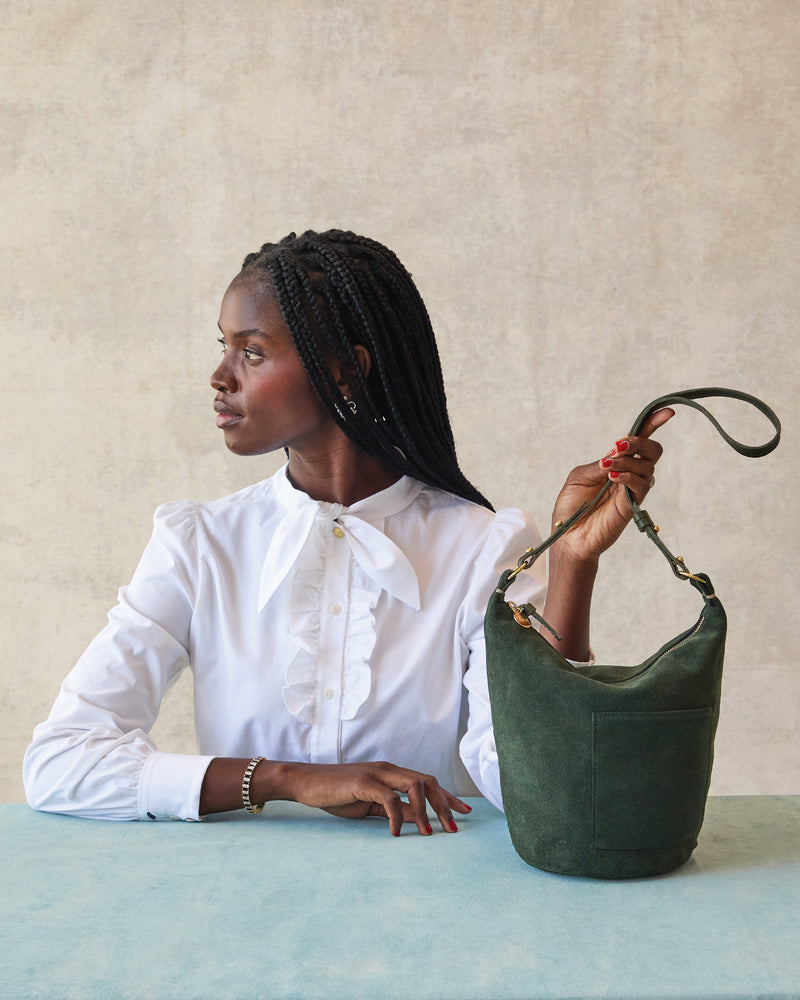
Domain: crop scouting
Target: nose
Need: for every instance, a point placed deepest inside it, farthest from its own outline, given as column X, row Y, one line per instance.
column 222, row 379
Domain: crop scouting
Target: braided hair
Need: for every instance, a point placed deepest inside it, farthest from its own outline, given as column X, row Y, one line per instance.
column 336, row 290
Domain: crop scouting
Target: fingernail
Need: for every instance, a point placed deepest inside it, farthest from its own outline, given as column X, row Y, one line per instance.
column 453, row 826
column 395, row 833
column 613, row 475
column 606, row 463
column 428, row 828
column 622, row 445
column 469, row 807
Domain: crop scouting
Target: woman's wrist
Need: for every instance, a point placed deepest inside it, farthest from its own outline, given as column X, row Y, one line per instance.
column 569, row 598
column 222, row 789
column 563, row 565
column 273, row 780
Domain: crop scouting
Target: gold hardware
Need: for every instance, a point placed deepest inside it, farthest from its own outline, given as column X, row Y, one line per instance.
column 559, row 523
column 519, row 615
column 524, row 563
column 656, row 528
column 685, row 572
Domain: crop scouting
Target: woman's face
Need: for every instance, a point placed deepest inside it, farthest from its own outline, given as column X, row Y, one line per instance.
column 264, row 398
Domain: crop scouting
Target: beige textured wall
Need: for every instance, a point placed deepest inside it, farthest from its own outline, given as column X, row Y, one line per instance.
column 598, row 198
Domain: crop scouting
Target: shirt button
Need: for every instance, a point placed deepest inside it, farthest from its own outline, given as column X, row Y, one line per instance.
column 328, row 692
column 338, row 532
column 335, row 609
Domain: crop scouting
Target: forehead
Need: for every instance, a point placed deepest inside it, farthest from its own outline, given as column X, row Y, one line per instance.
column 248, row 305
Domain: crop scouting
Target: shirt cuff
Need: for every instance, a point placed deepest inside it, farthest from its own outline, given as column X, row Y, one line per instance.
column 170, row 786
column 584, row 663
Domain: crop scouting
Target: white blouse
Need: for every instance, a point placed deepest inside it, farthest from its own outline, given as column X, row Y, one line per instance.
column 315, row 632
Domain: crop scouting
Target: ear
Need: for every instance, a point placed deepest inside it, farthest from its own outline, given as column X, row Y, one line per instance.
column 364, row 359
column 343, row 377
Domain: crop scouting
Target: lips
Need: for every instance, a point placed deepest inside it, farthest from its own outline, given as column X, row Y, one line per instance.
column 226, row 416
column 222, row 407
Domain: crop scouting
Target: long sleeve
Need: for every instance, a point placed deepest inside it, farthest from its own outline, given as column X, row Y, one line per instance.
column 512, row 533
column 93, row 756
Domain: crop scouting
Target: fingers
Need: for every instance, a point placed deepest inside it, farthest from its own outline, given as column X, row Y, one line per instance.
column 443, row 804
column 631, row 462
column 425, row 789
column 390, row 782
column 634, row 471
column 373, row 788
column 394, row 808
column 656, row 420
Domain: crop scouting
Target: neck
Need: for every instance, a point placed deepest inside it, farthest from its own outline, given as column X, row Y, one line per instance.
column 343, row 476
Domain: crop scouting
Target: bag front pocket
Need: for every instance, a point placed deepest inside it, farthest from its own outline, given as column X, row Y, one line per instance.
column 650, row 775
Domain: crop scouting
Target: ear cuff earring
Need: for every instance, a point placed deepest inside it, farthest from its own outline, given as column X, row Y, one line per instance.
column 351, row 403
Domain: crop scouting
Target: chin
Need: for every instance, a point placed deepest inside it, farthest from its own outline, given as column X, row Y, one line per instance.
column 239, row 448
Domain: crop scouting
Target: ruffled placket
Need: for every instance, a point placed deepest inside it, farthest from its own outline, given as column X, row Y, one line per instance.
column 336, row 560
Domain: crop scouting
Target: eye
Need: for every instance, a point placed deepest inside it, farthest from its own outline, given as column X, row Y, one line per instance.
column 251, row 355
column 221, row 341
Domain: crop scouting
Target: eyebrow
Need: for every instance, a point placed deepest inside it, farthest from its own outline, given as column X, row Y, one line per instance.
column 246, row 333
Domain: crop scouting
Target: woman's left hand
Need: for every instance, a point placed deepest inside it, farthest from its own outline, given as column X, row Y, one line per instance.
column 629, row 463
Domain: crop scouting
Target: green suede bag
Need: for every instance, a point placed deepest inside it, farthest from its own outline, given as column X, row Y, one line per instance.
column 605, row 770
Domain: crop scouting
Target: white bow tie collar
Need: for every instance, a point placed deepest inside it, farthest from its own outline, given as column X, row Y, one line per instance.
column 378, row 556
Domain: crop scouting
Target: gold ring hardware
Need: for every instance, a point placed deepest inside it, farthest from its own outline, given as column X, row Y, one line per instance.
column 685, row 572
column 524, row 563
column 519, row 615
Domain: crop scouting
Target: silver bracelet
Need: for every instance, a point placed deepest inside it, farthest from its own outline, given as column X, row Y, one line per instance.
column 248, row 774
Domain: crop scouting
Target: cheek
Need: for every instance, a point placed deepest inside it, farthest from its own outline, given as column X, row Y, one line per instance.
column 291, row 397
column 298, row 391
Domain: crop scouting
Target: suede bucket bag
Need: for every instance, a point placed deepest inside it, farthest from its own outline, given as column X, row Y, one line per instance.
column 605, row 770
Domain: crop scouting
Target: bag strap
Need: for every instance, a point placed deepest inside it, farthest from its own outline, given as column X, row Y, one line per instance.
column 687, row 398
column 641, row 518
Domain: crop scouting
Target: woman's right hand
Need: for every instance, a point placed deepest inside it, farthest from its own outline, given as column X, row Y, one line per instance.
column 353, row 791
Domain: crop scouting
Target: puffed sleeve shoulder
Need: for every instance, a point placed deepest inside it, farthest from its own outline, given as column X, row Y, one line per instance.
column 512, row 531
column 510, row 534
column 93, row 756
column 163, row 585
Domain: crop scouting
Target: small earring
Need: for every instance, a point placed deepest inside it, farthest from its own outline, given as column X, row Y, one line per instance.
column 351, row 403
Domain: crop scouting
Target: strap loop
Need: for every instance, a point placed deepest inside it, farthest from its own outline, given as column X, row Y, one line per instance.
column 687, row 397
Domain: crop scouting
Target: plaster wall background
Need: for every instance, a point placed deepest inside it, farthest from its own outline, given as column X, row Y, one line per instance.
column 599, row 203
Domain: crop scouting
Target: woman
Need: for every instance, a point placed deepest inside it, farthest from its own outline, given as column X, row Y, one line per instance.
column 333, row 614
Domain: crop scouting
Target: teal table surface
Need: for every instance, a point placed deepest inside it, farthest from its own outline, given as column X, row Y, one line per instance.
column 296, row 903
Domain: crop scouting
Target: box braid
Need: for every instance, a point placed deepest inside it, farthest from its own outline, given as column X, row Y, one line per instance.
column 336, row 290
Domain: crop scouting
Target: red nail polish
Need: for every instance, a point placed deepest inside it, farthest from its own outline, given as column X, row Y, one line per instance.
column 453, row 826
column 622, row 445
column 395, row 833
column 428, row 828
column 606, row 463
column 469, row 807
column 613, row 475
